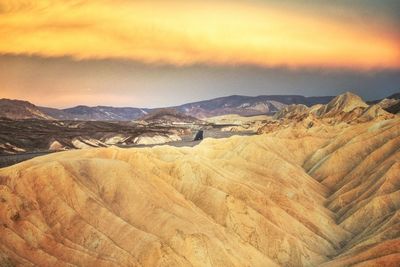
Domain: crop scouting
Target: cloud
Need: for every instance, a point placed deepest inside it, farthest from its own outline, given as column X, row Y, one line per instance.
column 192, row 32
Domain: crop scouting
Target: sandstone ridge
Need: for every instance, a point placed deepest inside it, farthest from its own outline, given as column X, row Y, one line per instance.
column 277, row 199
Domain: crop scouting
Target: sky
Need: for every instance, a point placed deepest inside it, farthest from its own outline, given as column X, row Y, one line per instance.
column 61, row 53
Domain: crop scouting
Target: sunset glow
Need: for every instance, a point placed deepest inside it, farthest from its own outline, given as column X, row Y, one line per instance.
column 185, row 33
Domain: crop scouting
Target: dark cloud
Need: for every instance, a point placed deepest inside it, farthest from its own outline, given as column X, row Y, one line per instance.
column 238, row 48
column 62, row 82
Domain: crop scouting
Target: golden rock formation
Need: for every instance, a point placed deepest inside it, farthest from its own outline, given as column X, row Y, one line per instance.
column 342, row 110
column 324, row 195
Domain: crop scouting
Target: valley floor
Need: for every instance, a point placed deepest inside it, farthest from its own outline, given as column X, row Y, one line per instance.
column 187, row 141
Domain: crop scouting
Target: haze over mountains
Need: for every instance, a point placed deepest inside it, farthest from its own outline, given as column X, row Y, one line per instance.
column 242, row 105
column 235, row 104
column 318, row 186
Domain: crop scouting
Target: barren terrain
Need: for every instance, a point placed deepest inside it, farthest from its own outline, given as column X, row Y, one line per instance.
column 324, row 193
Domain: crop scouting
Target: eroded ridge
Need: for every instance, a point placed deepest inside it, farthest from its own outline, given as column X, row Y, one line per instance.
column 295, row 197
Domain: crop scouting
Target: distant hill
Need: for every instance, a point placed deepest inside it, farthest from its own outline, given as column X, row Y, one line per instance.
column 169, row 115
column 346, row 107
column 17, row 110
column 105, row 113
column 235, row 104
column 248, row 105
column 390, row 103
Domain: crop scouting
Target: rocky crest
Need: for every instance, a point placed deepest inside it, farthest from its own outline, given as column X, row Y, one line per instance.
column 346, row 102
column 346, row 108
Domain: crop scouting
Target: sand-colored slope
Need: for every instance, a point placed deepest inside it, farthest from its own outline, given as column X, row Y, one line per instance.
column 365, row 191
column 295, row 197
column 346, row 102
column 237, row 123
column 346, row 108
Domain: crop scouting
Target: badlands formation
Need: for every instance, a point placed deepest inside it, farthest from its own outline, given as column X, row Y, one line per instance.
column 315, row 188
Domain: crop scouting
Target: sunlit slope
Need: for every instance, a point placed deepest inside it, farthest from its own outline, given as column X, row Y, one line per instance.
column 365, row 191
column 295, row 197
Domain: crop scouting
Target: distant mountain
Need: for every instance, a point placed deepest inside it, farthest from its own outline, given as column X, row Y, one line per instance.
column 342, row 103
column 104, row 113
column 346, row 107
column 248, row 105
column 99, row 113
column 58, row 114
column 169, row 116
column 235, row 104
column 17, row 110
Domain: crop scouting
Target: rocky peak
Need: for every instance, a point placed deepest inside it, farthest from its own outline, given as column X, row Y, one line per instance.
column 342, row 103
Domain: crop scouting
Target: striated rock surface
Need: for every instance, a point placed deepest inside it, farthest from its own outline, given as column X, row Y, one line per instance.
column 343, row 109
column 156, row 139
column 374, row 112
column 342, row 103
column 327, row 195
column 18, row 136
column 388, row 102
column 291, row 111
column 237, row 123
column 391, row 104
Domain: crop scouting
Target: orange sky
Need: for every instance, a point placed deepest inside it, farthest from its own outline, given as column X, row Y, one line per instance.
column 193, row 32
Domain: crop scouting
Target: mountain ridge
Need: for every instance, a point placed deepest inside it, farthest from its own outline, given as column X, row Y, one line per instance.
column 20, row 109
column 347, row 107
column 234, row 104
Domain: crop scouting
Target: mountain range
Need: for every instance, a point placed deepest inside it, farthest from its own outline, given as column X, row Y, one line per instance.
column 247, row 105
column 235, row 104
column 98, row 113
